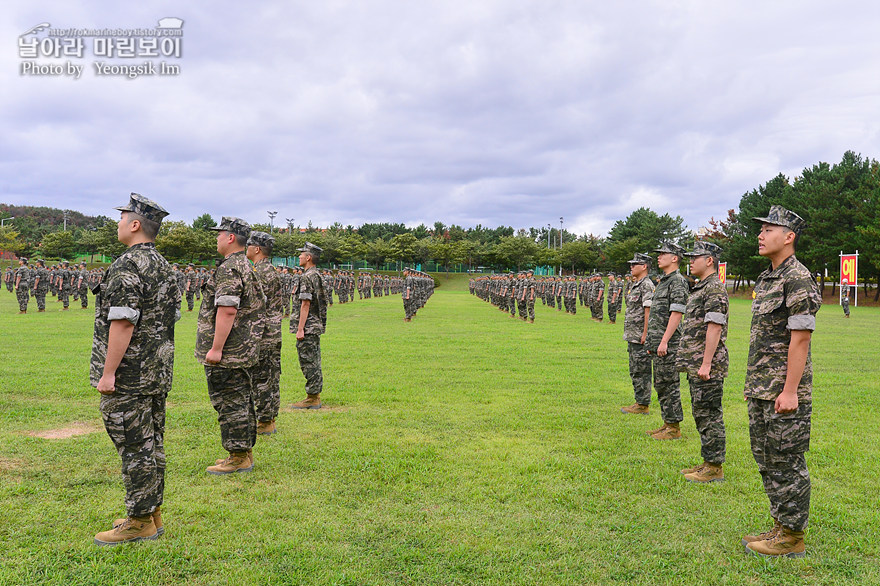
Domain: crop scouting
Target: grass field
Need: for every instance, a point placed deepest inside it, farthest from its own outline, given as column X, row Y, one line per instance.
column 462, row 448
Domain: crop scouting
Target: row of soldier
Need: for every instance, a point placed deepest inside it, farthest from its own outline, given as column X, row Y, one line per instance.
column 513, row 292
column 61, row 281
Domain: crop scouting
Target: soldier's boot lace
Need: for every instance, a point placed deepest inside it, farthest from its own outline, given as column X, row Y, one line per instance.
column 658, row 430
column 763, row 536
column 130, row 530
column 786, row 543
column 157, row 521
column 237, row 462
column 672, row 431
column 708, row 473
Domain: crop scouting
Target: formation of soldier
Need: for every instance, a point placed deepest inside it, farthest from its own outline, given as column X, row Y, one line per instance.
column 416, row 288
column 518, row 292
column 61, row 281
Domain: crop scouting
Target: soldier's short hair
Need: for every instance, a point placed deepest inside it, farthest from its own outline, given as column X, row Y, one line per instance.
column 149, row 227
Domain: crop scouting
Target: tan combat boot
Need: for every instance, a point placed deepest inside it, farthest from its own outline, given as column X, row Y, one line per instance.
column 635, row 409
column 236, row 462
column 157, row 521
column 130, row 530
column 672, row 431
column 707, row 473
column 310, row 402
column 266, row 427
column 762, row 536
column 658, row 430
column 692, row 469
column 786, row 543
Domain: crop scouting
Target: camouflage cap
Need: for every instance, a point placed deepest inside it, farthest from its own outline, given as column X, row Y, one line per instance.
column 233, row 225
column 667, row 246
column 779, row 216
column 23, row 259
column 640, row 258
column 144, row 206
column 705, row 249
column 261, row 239
column 312, row 249
column 64, row 263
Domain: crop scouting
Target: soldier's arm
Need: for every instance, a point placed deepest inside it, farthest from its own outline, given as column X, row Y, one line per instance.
column 17, row 281
column 225, row 318
column 671, row 326
column 798, row 349
column 117, row 343
column 645, row 326
column 304, row 306
column 713, row 338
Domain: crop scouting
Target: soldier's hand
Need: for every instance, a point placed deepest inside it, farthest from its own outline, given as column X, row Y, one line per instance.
column 107, row 384
column 644, row 337
column 703, row 373
column 300, row 334
column 786, row 403
column 214, row 356
column 661, row 349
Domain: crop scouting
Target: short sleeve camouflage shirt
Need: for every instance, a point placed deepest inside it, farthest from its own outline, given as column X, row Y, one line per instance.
column 310, row 287
column 270, row 282
column 639, row 297
column 233, row 284
column 708, row 303
column 786, row 298
column 670, row 295
column 139, row 287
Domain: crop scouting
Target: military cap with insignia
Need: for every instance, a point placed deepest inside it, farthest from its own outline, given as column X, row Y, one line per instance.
column 705, row 249
column 669, row 247
column 144, row 206
column 233, row 225
column 640, row 258
column 261, row 239
column 312, row 249
column 779, row 216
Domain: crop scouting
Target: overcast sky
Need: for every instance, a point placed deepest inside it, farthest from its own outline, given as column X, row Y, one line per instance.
column 499, row 112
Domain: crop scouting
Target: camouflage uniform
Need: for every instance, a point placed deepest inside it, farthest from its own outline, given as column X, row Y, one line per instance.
column 8, row 278
column 267, row 373
column 311, row 287
column 64, row 277
column 191, row 286
column 708, row 303
column 229, row 382
column 82, row 285
column 670, row 295
column 138, row 288
column 638, row 298
column 786, row 298
column 41, row 285
column 23, row 290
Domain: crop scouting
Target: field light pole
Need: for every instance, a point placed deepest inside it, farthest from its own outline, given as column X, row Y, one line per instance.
column 290, row 225
column 548, row 236
column 560, row 243
column 271, row 217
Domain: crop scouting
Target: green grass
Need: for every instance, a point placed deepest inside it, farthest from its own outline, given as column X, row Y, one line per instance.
column 462, row 448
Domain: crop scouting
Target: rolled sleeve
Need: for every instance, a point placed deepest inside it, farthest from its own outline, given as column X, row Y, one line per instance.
column 117, row 313
column 713, row 317
column 228, row 301
column 677, row 307
column 802, row 322
column 647, row 303
column 305, row 296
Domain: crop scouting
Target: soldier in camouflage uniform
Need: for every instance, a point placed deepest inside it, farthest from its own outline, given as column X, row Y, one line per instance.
column 190, row 285
column 308, row 321
column 266, row 374
column 598, row 304
column 132, row 366
column 615, row 297
column 82, row 285
column 844, row 298
column 779, row 381
column 23, row 284
column 408, row 295
column 664, row 332
column 227, row 345
column 529, row 295
column 702, row 355
column 635, row 332
column 41, row 284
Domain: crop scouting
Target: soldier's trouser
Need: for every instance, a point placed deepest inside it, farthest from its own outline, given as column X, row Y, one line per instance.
column 597, row 310
column 136, row 426
column 779, row 441
column 190, row 299
column 65, row 296
column 23, row 295
column 640, row 372
column 550, row 301
column 559, row 303
column 667, row 383
column 198, row 293
column 84, row 297
column 408, row 308
column 309, row 351
column 530, row 307
column 9, row 286
column 266, row 376
column 706, row 407
column 521, row 307
column 231, row 394
column 612, row 312
column 511, row 305
column 41, row 299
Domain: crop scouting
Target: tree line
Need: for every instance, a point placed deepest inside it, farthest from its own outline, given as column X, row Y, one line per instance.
column 840, row 202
